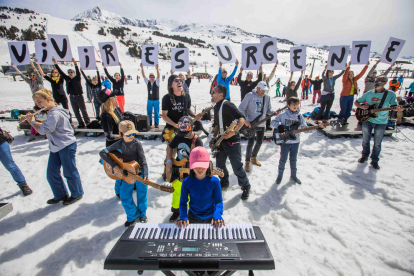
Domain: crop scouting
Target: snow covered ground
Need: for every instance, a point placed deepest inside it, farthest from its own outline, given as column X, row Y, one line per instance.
column 345, row 219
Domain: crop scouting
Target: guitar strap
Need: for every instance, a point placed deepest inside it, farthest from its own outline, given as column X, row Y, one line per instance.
column 193, row 142
column 383, row 99
column 221, row 126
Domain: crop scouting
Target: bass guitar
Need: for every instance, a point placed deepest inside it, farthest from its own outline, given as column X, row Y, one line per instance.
column 364, row 115
column 249, row 132
column 283, row 133
column 216, row 146
column 129, row 172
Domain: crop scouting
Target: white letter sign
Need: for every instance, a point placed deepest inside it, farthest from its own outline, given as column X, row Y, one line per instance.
column 251, row 56
column 269, row 49
column 19, row 52
column 224, row 53
column 338, row 56
column 392, row 50
column 60, row 47
column 360, row 52
column 87, row 57
column 109, row 55
column 149, row 55
column 179, row 59
column 297, row 58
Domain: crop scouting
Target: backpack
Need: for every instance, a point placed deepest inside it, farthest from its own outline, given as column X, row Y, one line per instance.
column 14, row 114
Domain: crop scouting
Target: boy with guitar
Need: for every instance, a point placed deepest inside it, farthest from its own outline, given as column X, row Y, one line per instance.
column 225, row 113
column 132, row 149
column 184, row 142
column 383, row 98
column 293, row 119
column 256, row 105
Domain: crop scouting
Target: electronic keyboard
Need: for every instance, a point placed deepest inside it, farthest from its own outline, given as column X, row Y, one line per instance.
column 196, row 247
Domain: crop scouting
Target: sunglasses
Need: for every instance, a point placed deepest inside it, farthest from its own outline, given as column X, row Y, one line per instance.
column 32, row 75
column 54, row 72
column 178, row 80
column 151, row 77
column 132, row 134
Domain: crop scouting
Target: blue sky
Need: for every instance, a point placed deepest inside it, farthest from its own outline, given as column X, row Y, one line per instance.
column 325, row 22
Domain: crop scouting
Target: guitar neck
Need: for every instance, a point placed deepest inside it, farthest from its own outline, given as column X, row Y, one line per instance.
column 146, row 182
column 267, row 118
column 383, row 109
column 304, row 129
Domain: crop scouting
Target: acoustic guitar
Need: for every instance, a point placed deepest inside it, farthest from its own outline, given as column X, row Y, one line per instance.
column 129, row 172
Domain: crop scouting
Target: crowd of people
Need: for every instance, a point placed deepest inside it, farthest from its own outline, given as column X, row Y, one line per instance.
column 182, row 143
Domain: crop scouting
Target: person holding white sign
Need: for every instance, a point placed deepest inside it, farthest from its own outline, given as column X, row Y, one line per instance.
column 153, row 102
column 118, row 85
column 372, row 76
column 34, row 80
column 292, row 88
column 349, row 89
column 56, row 83
column 328, row 94
column 225, row 80
column 95, row 86
column 75, row 91
column 248, row 85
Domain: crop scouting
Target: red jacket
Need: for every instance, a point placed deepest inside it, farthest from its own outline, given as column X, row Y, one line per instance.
column 347, row 84
column 303, row 83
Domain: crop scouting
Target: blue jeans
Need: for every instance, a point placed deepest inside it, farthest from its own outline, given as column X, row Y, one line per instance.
column 292, row 151
column 346, row 103
column 233, row 152
column 305, row 92
column 97, row 108
column 156, row 106
column 379, row 130
column 64, row 158
column 7, row 160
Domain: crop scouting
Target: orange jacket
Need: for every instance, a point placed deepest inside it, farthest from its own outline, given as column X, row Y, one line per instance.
column 303, row 83
column 347, row 84
column 396, row 85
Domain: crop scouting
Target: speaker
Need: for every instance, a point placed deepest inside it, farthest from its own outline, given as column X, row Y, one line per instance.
column 142, row 123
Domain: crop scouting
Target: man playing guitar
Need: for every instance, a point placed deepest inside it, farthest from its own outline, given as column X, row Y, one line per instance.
column 384, row 98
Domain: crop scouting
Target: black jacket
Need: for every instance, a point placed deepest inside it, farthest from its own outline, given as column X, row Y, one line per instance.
column 73, row 86
column 247, row 86
column 57, row 87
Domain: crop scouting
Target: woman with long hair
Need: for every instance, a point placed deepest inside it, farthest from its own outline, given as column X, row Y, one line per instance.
column 62, row 146
column 118, row 85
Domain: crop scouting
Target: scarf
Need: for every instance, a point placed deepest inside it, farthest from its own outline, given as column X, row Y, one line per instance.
column 56, row 79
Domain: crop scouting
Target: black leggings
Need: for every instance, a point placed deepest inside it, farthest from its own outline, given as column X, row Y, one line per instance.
column 328, row 105
column 260, row 136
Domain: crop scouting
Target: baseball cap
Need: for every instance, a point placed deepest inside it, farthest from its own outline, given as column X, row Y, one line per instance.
column 127, row 127
column 199, row 158
column 250, row 73
column 105, row 94
column 185, row 125
column 262, row 85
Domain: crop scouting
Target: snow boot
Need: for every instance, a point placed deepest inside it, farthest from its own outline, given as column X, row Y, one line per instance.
column 175, row 215
column 375, row 165
column 247, row 166
column 143, row 219
column 254, row 161
column 246, row 192
column 279, row 177
column 132, row 223
column 53, row 201
column 363, row 159
column 71, row 200
column 25, row 189
column 294, row 178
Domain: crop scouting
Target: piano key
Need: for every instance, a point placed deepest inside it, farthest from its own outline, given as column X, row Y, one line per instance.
column 141, row 233
column 224, row 232
column 219, row 234
column 181, row 237
column 214, row 233
column 233, row 230
column 147, row 232
column 134, row 232
column 242, row 227
column 166, row 233
column 186, row 232
column 171, row 234
column 247, row 233
column 252, row 232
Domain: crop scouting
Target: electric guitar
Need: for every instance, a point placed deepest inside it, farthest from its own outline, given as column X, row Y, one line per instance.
column 168, row 134
column 216, row 146
column 249, row 132
column 364, row 115
column 182, row 169
column 289, row 132
column 129, row 172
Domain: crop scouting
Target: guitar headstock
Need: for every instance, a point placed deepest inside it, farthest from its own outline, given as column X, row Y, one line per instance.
column 232, row 125
column 167, row 188
column 217, row 171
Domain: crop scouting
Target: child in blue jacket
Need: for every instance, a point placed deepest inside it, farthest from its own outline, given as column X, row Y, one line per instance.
column 206, row 204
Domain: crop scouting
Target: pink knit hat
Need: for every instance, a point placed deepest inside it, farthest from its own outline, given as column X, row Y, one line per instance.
column 199, row 158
